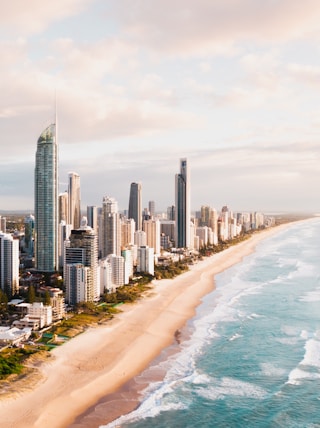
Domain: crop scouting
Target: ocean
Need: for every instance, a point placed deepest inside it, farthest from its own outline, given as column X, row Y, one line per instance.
column 251, row 355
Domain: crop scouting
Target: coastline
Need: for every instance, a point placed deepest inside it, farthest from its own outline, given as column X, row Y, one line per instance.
column 104, row 358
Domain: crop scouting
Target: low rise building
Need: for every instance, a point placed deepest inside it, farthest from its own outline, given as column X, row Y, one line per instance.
column 14, row 335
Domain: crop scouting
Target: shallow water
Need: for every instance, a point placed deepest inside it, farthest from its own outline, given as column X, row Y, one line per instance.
column 253, row 355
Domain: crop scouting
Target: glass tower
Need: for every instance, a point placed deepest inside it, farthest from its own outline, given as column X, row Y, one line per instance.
column 46, row 201
column 135, row 204
column 74, row 201
column 182, row 191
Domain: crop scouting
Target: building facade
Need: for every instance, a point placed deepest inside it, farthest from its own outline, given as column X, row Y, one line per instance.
column 182, row 203
column 81, row 266
column 9, row 264
column 74, row 200
column 135, row 204
column 46, row 201
column 110, row 230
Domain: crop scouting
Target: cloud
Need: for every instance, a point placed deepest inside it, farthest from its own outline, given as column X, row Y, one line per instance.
column 188, row 27
column 305, row 74
column 34, row 16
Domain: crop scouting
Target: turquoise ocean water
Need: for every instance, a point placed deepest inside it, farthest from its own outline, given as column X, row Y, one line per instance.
column 252, row 358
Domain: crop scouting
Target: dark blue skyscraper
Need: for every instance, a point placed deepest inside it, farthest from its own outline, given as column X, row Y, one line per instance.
column 182, row 193
column 135, row 204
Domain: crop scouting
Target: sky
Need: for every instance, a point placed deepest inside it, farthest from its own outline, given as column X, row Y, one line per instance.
column 231, row 85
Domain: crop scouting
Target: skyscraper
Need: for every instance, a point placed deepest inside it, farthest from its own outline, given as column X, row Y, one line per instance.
column 28, row 234
column 152, row 209
column 63, row 207
column 135, row 204
column 81, row 265
column 9, row 264
column 92, row 216
column 74, row 200
column 152, row 229
column 110, row 233
column 182, row 196
column 46, row 201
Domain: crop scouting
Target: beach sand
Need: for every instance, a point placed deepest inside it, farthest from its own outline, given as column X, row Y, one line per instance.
column 104, row 358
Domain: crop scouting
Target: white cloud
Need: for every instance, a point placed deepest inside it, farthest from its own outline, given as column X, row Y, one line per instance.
column 34, row 16
column 188, row 27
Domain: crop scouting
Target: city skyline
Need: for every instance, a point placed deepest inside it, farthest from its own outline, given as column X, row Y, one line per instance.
column 233, row 88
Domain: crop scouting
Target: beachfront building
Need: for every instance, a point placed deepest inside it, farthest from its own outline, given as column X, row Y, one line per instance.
column 14, row 336
column 203, row 234
column 46, row 201
column 112, row 273
column 182, row 206
column 110, row 228
column 152, row 230
column 128, row 256
column 38, row 316
column 81, row 265
column 140, row 238
column 9, row 264
column 57, row 303
column 209, row 217
column 42, row 312
column 135, row 204
column 74, row 200
column 145, row 261
column 128, row 228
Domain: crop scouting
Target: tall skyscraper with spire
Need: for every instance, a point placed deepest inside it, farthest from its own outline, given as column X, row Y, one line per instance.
column 135, row 204
column 74, row 200
column 46, row 201
column 182, row 196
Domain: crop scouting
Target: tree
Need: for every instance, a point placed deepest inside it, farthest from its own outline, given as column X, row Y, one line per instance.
column 31, row 296
column 3, row 301
column 47, row 299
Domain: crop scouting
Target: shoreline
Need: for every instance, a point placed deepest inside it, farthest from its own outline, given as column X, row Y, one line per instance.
column 105, row 358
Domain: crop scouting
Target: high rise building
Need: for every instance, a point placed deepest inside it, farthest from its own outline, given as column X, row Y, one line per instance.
column 63, row 207
column 171, row 213
column 152, row 209
column 28, row 234
column 135, row 204
column 9, row 264
column 145, row 260
column 3, row 224
column 92, row 216
column 46, row 201
column 127, row 232
column 110, row 233
column 140, row 238
column 63, row 235
column 152, row 229
column 81, row 265
column 182, row 197
column 74, row 200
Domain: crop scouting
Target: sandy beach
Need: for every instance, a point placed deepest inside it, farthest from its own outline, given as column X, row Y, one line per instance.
column 104, row 358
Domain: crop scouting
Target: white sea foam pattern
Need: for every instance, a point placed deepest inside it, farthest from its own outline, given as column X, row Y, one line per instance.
column 253, row 359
